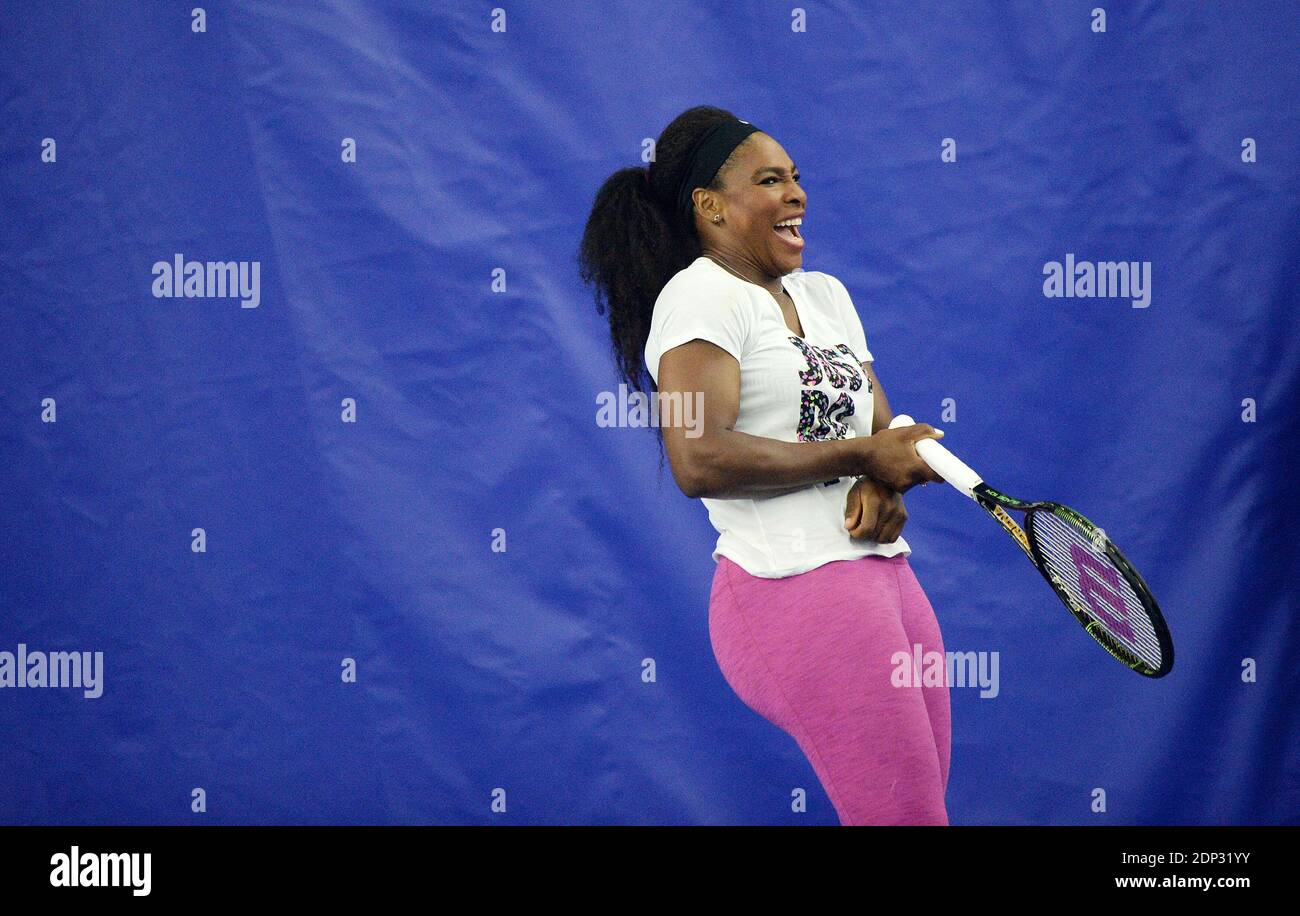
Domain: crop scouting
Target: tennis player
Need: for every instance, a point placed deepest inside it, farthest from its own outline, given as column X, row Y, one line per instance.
column 813, row 605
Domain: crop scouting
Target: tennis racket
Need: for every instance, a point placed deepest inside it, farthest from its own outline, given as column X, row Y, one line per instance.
column 1082, row 565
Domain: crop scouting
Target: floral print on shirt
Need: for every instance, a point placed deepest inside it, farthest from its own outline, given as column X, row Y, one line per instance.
column 820, row 418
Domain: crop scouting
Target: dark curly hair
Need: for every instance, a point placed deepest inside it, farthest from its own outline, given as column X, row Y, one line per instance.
column 636, row 239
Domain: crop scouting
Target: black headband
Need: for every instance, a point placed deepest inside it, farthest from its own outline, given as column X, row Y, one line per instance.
column 707, row 157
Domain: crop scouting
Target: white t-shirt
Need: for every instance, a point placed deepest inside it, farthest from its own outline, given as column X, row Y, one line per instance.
column 791, row 388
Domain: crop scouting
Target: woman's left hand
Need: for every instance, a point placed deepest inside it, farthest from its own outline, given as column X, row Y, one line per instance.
column 874, row 511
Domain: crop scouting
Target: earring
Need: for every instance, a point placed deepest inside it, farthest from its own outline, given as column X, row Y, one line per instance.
column 717, row 219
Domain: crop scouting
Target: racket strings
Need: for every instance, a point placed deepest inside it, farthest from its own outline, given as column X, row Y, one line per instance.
column 1079, row 565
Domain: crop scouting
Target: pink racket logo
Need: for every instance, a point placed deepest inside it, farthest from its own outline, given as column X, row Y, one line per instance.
column 1100, row 586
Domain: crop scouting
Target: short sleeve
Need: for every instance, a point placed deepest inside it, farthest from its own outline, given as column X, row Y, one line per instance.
column 852, row 323
column 718, row 315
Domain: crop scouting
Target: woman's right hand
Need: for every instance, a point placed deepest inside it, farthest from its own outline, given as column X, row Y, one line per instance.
column 892, row 457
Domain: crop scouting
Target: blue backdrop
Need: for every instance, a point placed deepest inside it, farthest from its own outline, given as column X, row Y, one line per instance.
column 390, row 461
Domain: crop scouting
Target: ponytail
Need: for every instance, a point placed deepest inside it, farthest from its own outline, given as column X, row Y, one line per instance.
column 635, row 241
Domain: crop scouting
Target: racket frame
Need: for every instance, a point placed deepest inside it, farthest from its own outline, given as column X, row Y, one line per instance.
column 995, row 503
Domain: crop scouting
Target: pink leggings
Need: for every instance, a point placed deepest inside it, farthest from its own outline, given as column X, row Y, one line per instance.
column 814, row 655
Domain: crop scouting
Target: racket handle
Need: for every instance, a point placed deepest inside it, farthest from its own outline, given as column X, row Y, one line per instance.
column 941, row 461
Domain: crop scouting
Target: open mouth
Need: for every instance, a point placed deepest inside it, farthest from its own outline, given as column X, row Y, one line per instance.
column 789, row 232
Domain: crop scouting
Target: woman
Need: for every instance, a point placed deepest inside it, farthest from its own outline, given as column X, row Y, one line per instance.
column 699, row 260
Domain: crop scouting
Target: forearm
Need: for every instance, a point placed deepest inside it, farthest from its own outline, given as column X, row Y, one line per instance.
column 737, row 465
